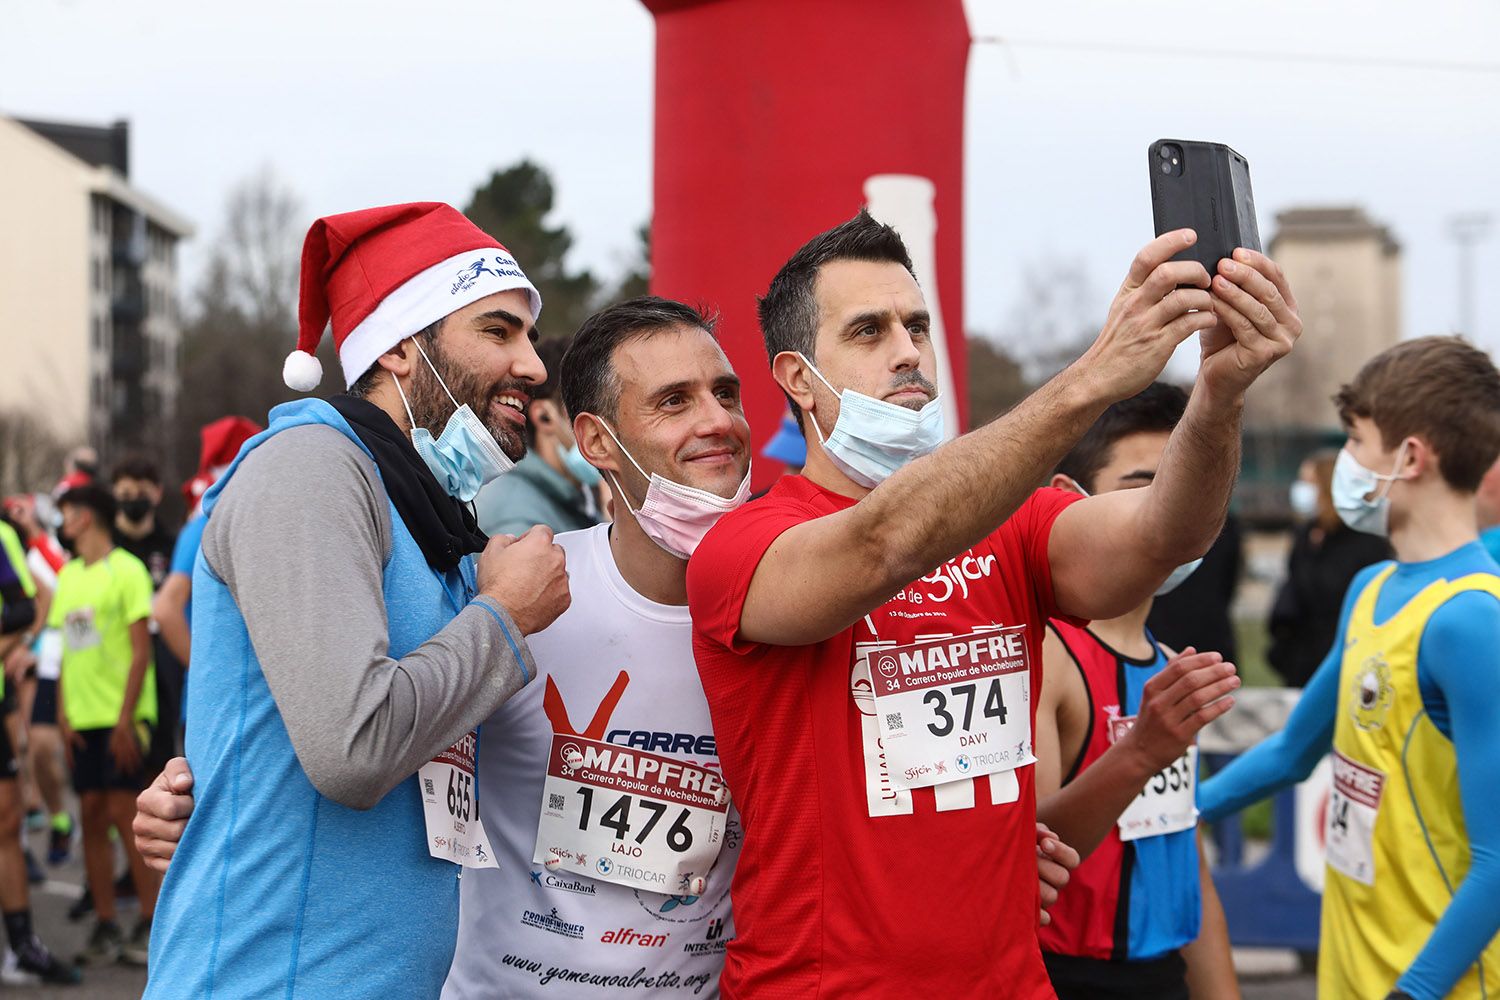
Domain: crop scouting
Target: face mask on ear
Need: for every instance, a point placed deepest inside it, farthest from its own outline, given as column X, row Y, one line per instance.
column 1175, row 578
column 1353, row 483
column 871, row 438
column 674, row 516
column 579, row 468
column 466, row 455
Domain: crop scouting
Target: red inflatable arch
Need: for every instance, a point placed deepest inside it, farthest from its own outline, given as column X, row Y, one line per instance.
column 776, row 119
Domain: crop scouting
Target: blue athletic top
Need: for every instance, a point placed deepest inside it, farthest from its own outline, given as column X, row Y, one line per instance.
column 1458, row 673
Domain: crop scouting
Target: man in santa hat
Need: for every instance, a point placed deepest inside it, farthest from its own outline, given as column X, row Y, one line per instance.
column 343, row 635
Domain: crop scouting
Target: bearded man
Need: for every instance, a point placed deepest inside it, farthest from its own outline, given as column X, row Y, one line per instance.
column 343, row 635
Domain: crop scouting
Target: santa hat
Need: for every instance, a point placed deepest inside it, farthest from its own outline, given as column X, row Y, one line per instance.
column 383, row 274
column 221, row 442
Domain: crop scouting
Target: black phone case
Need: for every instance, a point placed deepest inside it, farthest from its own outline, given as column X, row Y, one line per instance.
column 1211, row 196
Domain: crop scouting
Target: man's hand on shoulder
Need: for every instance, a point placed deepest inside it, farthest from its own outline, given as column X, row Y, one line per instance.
column 528, row 576
column 162, row 812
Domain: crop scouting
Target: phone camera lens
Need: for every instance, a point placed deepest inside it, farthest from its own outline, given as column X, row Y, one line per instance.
column 1165, row 152
column 1166, row 168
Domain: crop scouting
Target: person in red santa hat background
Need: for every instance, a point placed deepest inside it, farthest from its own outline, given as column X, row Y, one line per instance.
column 344, row 634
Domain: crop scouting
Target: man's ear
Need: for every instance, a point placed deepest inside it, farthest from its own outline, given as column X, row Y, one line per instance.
column 594, row 442
column 539, row 412
column 1062, row 482
column 795, row 378
column 400, row 359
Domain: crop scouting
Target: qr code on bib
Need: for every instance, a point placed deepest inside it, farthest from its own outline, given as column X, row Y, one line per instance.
column 555, row 801
column 893, row 721
column 427, row 782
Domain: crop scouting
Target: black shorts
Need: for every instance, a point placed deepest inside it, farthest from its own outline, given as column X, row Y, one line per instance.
column 10, row 766
column 94, row 767
column 44, row 704
column 1077, row 978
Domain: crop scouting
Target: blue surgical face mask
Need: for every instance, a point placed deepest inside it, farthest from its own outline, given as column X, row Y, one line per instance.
column 1304, row 498
column 1175, row 578
column 871, row 438
column 579, row 468
column 1352, row 486
column 466, row 455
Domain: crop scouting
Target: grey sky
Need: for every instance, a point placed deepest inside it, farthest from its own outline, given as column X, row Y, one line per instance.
column 376, row 102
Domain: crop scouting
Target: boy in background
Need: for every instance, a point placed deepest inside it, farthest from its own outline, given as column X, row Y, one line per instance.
column 107, row 698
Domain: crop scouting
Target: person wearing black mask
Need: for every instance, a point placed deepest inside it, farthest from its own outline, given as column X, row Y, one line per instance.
column 136, row 484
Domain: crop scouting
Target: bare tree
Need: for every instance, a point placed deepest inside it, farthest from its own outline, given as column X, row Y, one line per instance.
column 243, row 314
column 1055, row 318
column 31, row 456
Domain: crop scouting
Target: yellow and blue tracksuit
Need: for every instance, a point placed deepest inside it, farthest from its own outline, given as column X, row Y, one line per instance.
column 1408, row 696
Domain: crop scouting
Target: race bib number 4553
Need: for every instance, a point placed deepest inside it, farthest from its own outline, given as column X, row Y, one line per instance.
column 955, row 708
column 623, row 815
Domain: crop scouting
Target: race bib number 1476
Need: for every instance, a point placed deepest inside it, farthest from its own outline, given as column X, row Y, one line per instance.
column 623, row 815
column 954, row 708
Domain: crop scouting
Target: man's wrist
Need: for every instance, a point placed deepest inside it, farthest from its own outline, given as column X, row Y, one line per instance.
column 1135, row 761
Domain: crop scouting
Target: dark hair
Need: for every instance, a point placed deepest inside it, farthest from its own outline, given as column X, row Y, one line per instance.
column 1442, row 389
column 789, row 309
column 95, row 498
column 1154, row 409
column 135, row 467
column 550, row 350
column 363, row 385
column 589, row 383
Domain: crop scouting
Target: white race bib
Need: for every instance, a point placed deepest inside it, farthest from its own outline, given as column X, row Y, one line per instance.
column 450, row 806
column 79, row 631
column 627, row 816
column 1168, row 803
column 952, row 709
column 1350, row 828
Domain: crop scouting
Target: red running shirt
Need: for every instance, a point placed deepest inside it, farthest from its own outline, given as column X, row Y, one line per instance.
column 847, row 887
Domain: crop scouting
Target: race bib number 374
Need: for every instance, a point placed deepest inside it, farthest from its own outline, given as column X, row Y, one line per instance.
column 623, row 815
column 954, row 708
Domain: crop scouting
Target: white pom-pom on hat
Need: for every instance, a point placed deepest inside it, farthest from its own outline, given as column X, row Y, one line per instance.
column 302, row 371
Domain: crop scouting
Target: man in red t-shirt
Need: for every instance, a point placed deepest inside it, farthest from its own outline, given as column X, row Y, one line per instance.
column 868, row 633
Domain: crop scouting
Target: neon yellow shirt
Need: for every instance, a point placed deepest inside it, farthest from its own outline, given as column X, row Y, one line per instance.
column 94, row 607
column 14, row 552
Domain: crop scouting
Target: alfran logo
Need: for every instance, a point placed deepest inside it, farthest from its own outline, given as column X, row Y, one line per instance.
column 629, row 935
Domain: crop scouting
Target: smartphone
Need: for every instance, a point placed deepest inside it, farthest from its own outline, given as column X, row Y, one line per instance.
column 1203, row 186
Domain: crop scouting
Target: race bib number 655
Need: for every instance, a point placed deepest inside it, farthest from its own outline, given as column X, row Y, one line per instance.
column 954, row 708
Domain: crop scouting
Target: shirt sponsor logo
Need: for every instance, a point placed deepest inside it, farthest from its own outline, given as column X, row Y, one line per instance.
column 623, row 769
column 631, row 936
column 714, row 942
column 660, row 742
column 949, row 580
column 577, row 885
column 552, row 923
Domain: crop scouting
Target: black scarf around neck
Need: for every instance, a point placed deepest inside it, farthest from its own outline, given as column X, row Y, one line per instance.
column 443, row 526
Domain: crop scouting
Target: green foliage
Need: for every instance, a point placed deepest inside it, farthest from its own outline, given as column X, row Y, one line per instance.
column 996, row 380
column 513, row 206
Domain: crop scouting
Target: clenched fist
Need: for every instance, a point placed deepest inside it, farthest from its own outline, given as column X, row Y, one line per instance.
column 528, row 576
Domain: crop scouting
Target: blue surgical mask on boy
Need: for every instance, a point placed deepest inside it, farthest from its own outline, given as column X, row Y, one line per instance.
column 871, row 438
column 1352, row 483
column 466, row 455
